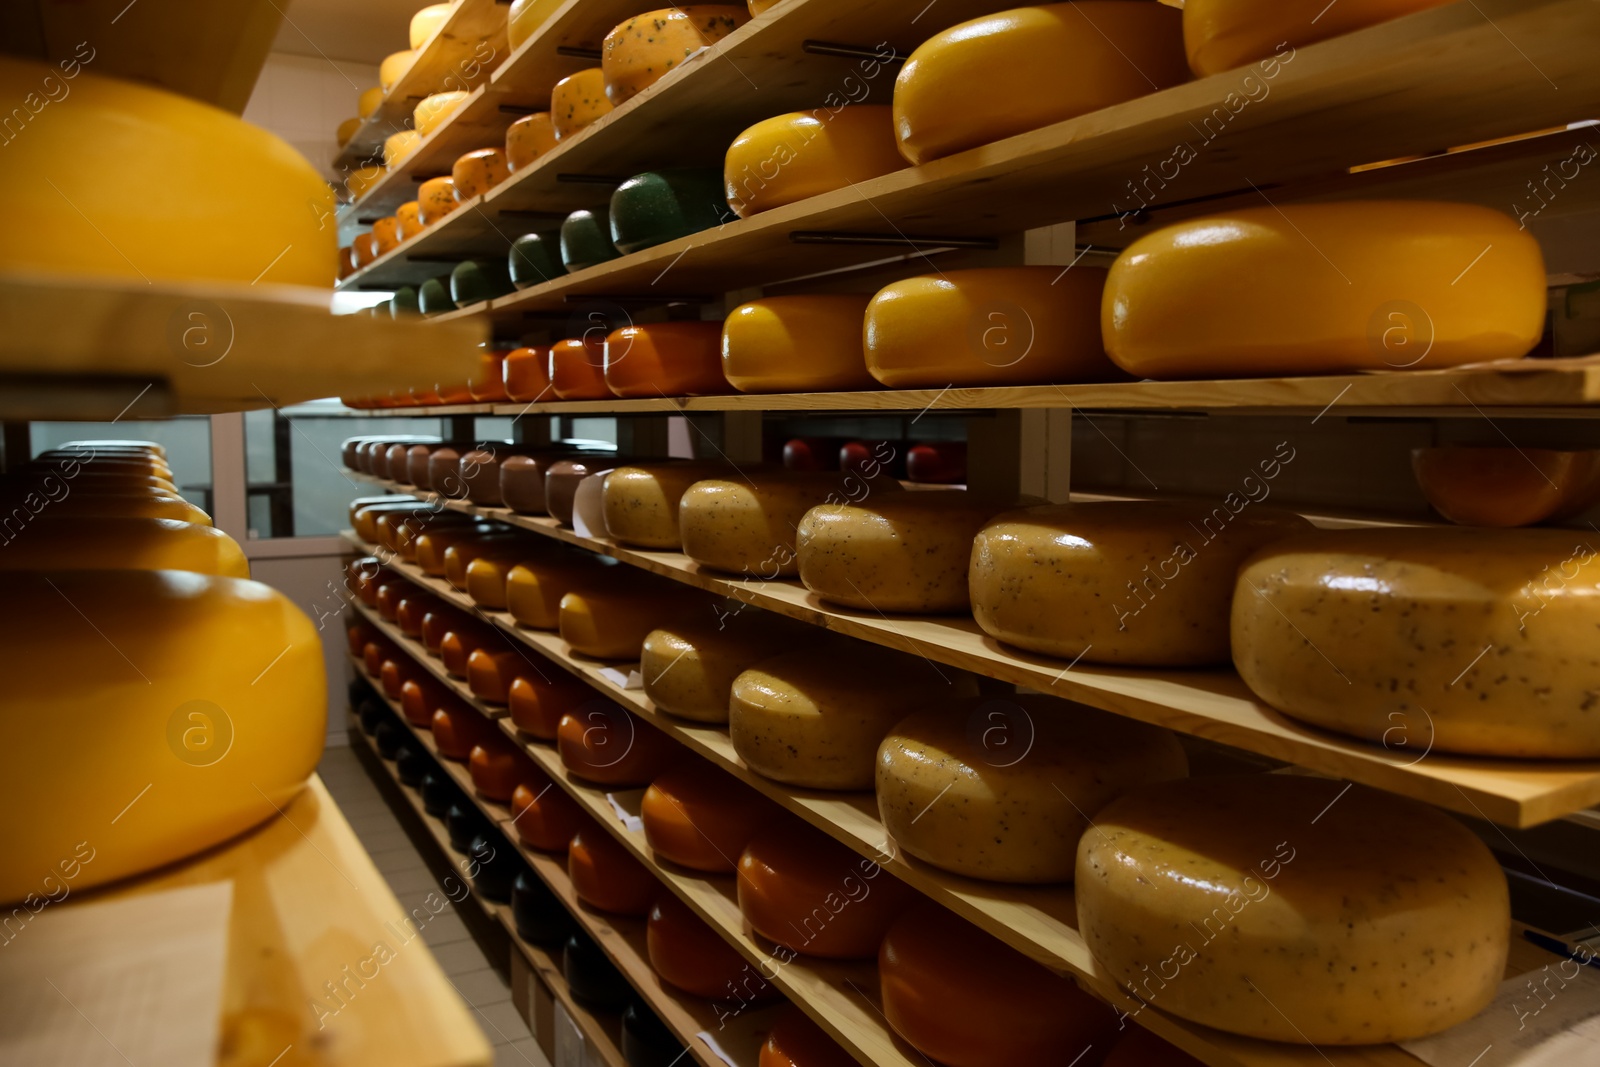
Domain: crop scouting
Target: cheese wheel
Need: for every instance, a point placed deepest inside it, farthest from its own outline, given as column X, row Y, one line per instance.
column 436, row 198
column 410, row 216
column 386, row 231
column 606, row 876
column 586, row 239
column 393, row 675
column 806, row 153
column 457, row 728
column 1018, row 70
column 411, row 610
column 814, row 716
column 358, row 634
column 394, row 67
column 536, row 585
column 745, row 523
column 490, row 672
column 156, row 700
column 476, row 172
column 1370, row 917
column 527, row 139
column 347, row 129
column 689, row 668
column 473, row 281
column 663, row 205
column 461, row 639
column 665, row 359
column 646, row 48
column 989, row 326
column 578, row 100
column 893, row 552
column 388, row 599
column 437, row 538
column 796, row 1041
column 164, row 150
column 1140, row 1048
column 563, row 478
column 1448, row 640
column 52, row 542
column 369, row 101
column 152, row 505
column 363, row 178
column 525, row 17
column 527, row 377
column 545, row 817
column 433, row 110
column 1507, row 486
column 976, row 787
column 1132, row 582
column 488, row 385
column 937, row 463
column 578, row 368
column 535, row 258
column 397, row 146
column 966, row 999
column 796, row 344
column 1399, row 298
column 1222, row 35
column 426, row 22
column 605, row 743
column 420, row 697
column 486, row 579
column 373, row 657
column 366, row 249
column 641, row 500
column 807, row 892
column 686, row 953
column 702, row 818
column 539, row 700
column 498, row 767
column 438, row 623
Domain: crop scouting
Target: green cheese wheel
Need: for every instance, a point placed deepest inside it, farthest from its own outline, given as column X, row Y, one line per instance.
column 476, row 280
column 404, row 302
column 434, row 296
column 586, row 239
column 663, row 205
column 535, row 258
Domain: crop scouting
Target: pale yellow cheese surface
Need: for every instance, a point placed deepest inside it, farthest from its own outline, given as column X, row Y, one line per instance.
column 745, row 523
column 640, row 502
column 688, row 669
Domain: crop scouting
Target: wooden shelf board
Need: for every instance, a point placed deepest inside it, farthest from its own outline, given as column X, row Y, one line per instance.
column 1211, row 704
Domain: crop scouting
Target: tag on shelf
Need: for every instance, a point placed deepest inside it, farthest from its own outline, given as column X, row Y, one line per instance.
column 633, row 823
column 1545, row 1018
column 622, row 678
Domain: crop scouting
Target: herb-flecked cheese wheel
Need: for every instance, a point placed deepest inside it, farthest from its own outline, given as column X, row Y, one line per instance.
column 805, row 153
column 646, row 48
column 1135, row 582
column 1455, row 640
column 689, row 668
column 797, row 344
column 436, row 198
column 641, row 501
column 1001, row 788
column 1369, row 917
column 744, row 522
column 578, row 100
column 410, row 216
column 1222, row 35
column 476, row 172
column 528, row 138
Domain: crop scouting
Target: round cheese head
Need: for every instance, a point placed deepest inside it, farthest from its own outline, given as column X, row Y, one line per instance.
column 528, row 138
column 1133, row 582
column 394, row 67
column 744, row 522
column 796, row 344
column 1472, row 641
column 577, row 100
column 689, row 668
column 605, row 875
column 545, row 815
column 687, row 954
column 1001, row 788
column 700, row 817
column 433, row 110
column 131, row 542
column 641, row 501
column 796, row 1041
column 805, row 153
column 1507, row 486
column 607, row 744
column 1294, row 909
column 426, row 22
column 1226, row 34
column 646, row 48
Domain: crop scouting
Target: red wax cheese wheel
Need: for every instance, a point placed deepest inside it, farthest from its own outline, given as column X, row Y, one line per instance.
column 420, row 697
column 796, row 1041
column 966, row 999
column 605, row 875
column 414, row 607
column 498, row 766
column 387, row 600
column 457, row 729
column 436, row 623
column 703, row 818
column 804, row 890
column 937, row 462
column 605, row 743
column 546, row 817
column 687, row 953
column 1507, row 486
column 539, row 703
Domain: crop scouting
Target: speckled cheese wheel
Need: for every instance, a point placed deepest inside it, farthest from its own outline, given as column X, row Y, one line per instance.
column 814, row 716
column 475, row 173
column 644, row 49
column 745, row 523
column 410, row 216
column 1129, row 582
column 1001, row 788
column 689, row 668
column 577, row 100
column 1369, row 917
column 905, row 552
column 528, row 138
column 436, row 198
column 641, row 501
column 1453, row 640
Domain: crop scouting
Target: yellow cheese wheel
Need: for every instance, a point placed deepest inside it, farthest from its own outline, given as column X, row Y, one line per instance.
column 386, row 232
column 397, row 146
column 426, row 22
column 436, row 198
column 52, row 542
column 145, row 203
column 1018, row 70
column 366, row 249
column 435, row 109
column 133, row 503
column 410, row 216
column 1293, row 908
column 1001, row 788
column 641, row 501
column 1224, row 34
column 394, row 67
column 814, row 716
column 525, row 17
column 347, row 129
column 805, row 153
column 1134, row 582
column 479, row 171
column 577, row 100
column 1507, row 486
column 1422, row 640
column 369, row 101
column 989, row 326
column 796, row 344
column 361, row 179
column 893, row 551
column 744, row 523
column 1324, row 288
column 646, row 48
column 689, row 668
column 611, row 620
column 535, row 586
column 189, row 709
column 528, row 138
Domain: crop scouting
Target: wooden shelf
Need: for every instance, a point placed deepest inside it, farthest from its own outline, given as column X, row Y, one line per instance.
column 102, row 348
column 1212, row 704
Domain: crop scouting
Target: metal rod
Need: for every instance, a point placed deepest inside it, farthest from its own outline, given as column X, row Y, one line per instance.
column 516, row 109
column 835, row 237
column 851, row 51
column 437, row 259
column 578, row 53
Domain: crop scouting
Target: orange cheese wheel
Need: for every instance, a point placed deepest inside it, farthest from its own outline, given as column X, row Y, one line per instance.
column 1140, row 1048
column 394, row 673
column 347, row 261
column 440, row 535
column 409, row 215
column 605, row 875
column 804, row 890
column 539, row 703
column 456, row 729
column 420, row 696
column 545, row 815
column 490, row 672
column 437, row 623
column 578, row 369
column 463, row 639
column 528, row 138
column 378, row 651
column 1507, row 486
column 665, row 359
column 687, row 953
column 386, row 231
column 605, row 743
column 414, row 605
column 1221, row 35
column 498, row 766
column 702, row 818
column 610, row 620
column 966, row 999
column 796, row 1041
column 436, row 198
column 359, row 633
column 646, row 48
column 476, row 172
column 388, row 598
column 486, row 579
column 527, row 374
column 488, row 385
column 366, row 247
column 577, row 100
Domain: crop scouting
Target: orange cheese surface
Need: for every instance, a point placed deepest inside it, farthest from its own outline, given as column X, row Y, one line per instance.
column 458, row 728
column 539, row 700
column 806, row 343
column 527, row 139
column 796, row 1041
column 527, row 374
column 49, row 542
column 687, row 953
column 702, row 818
column 665, row 359
column 645, row 48
column 578, row 369
column 577, row 100
column 791, row 157
column 546, row 818
column 479, row 171
column 605, row 743
column 1507, row 486
column 420, row 696
column 498, row 767
column 605, row 875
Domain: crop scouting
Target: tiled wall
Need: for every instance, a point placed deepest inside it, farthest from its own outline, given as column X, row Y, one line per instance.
column 303, row 99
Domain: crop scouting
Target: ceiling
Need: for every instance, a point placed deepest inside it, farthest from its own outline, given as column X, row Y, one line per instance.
column 363, row 31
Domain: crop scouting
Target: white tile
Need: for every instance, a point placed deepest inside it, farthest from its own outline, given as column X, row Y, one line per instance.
column 501, row 1023
column 460, row 957
column 482, row 988
column 520, row 1054
column 444, row 929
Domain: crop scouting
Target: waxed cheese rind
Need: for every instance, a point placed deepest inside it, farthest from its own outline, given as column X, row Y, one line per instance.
column 745, row 524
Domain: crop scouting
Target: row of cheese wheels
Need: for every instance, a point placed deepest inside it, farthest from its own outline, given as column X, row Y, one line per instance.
column 1459, row 640
column 1164, row 865
column 136, row 653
